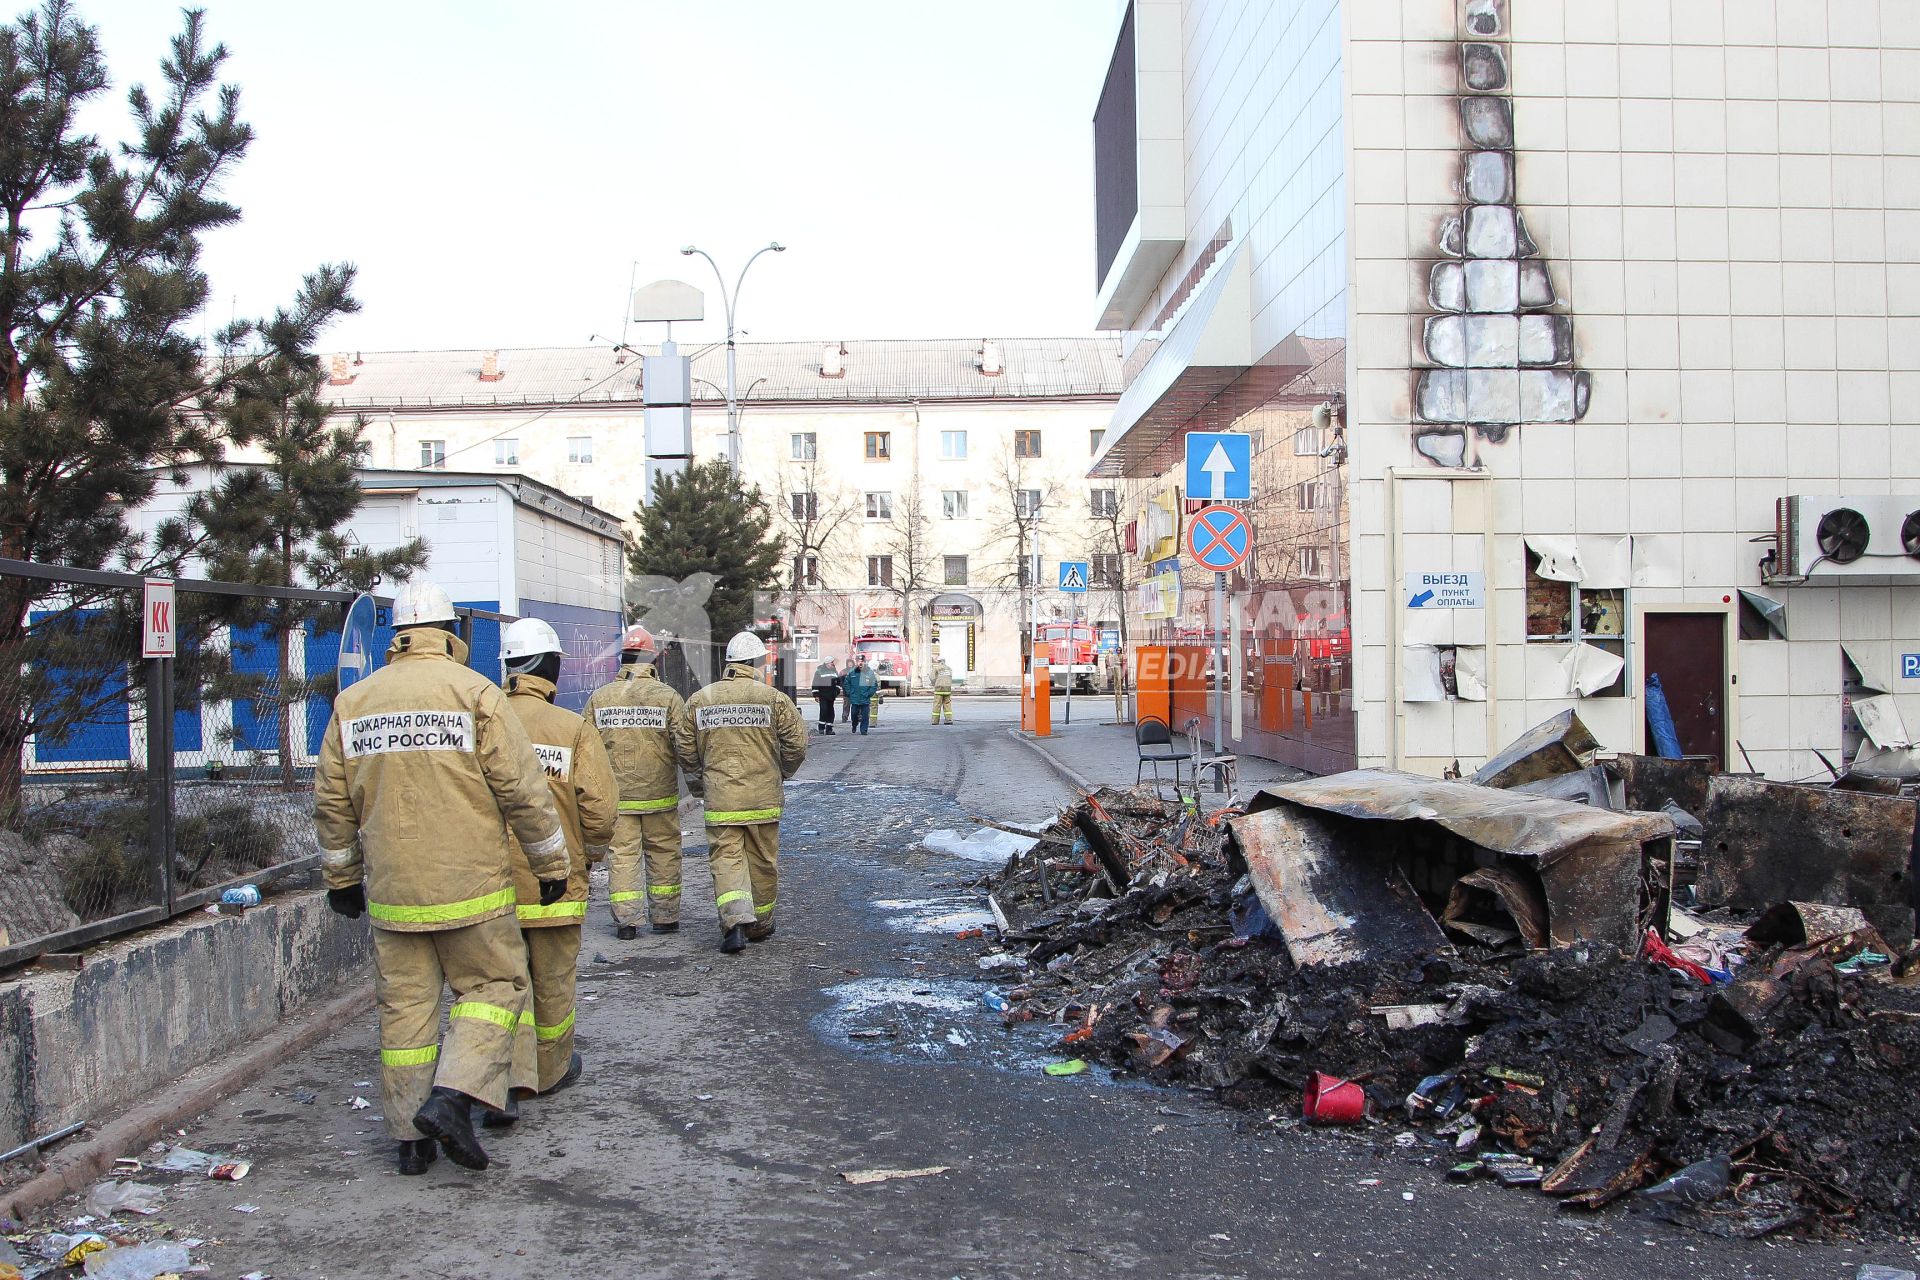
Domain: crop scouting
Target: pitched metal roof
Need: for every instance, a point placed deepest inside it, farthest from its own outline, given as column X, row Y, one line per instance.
column 877, row 371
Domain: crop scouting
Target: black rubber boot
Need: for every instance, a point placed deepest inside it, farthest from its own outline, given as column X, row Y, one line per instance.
column 734, row 940
column 627, row 932
column 448, row 1118
column 667, row 926
column 503, row 1119
column 415, row 1155
column 575, row 1065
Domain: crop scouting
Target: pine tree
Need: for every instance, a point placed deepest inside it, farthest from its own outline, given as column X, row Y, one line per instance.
column 277, row 524
column 706, row 521
column 101, row 380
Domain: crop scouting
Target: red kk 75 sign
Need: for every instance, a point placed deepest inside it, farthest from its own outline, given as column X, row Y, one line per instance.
column 156, row 619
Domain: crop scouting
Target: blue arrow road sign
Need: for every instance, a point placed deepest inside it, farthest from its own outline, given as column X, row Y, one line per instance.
column 1220, row 466
column 1074, row 575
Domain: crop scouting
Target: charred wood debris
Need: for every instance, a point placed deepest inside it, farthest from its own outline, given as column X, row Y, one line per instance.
column 1590, row 977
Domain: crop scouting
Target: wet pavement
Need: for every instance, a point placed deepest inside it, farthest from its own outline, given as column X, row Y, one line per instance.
column 725, row 1096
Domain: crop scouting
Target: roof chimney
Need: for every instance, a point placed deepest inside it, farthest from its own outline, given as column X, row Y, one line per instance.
column 338, row 374
column 833, row 363
column 490, row 367
column 990, row 358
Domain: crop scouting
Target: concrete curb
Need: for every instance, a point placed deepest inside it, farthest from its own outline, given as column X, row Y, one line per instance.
column 78, row 1167
column 1066, row 772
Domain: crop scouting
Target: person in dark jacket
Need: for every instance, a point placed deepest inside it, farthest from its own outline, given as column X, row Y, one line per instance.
column 861, row 686
column 826, row 691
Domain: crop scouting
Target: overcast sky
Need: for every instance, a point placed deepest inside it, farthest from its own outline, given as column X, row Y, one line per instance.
column 496, row 169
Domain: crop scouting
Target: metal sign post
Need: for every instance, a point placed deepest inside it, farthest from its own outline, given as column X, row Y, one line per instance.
column 1219, row 538
column 1074, row 575
column 1219, row 663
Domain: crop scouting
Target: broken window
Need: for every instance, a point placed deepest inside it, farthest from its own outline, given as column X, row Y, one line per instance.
column 1563, row 609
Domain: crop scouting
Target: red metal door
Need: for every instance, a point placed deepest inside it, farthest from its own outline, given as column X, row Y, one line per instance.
column 1688, row 651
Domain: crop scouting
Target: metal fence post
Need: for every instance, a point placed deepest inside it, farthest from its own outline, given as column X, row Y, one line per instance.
column 160, row 774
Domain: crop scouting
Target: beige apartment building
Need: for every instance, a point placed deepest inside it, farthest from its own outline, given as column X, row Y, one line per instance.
column 1614, row 309
column 925, row 488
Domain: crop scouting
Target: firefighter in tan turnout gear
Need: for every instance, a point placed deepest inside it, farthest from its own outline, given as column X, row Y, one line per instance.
column 581, row 779
column 750, row 740
column 422, row 773
column 644, row 725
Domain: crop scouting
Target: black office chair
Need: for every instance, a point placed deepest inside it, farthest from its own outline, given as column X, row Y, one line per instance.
column 1154, row 745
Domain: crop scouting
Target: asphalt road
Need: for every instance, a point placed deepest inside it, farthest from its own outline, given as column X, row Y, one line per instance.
column 725, row 1096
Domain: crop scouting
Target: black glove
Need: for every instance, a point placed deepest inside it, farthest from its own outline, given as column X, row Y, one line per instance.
column 551, row 891
column 350, row 902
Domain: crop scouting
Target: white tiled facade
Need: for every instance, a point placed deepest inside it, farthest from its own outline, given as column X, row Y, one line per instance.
column 1727, row 198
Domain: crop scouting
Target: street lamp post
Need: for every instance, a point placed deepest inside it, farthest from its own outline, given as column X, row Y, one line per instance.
column 728, row 300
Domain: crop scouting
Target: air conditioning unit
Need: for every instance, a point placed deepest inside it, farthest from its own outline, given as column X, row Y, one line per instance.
column 1821, row 536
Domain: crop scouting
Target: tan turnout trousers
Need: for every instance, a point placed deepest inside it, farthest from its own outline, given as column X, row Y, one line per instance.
column 486, row 965
column 746, row 872
column 543, row 1043
column 645, row 867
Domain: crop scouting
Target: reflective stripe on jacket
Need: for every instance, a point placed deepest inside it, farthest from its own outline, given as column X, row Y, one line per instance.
column 581, row 779
column 750, row 739
column 422, row 772
column 643, row 724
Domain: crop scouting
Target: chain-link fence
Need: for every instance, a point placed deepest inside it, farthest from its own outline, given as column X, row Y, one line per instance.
column 133, row 788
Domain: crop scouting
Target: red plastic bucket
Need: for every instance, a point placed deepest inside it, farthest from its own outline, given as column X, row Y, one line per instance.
column 1333, row 1100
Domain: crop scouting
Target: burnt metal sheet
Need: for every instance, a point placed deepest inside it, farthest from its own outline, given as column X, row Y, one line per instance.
column 1648, row 782
column 1773, row 842
column 1589, row 860
column 1795, row 923
column 1590, row 785
column 1523, row 904
column 1560, row 745
column 1334, row 900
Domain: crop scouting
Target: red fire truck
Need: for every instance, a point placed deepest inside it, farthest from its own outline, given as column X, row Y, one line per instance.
column 1068, row 649
column 887, row 656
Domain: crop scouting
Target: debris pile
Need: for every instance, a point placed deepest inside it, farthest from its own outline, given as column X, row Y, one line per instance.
column 1500, row 980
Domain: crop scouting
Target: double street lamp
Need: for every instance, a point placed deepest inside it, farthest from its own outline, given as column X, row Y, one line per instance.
column 728, row 300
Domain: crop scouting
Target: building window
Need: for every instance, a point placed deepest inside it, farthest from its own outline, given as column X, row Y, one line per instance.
column 1026, row 503
column 1094, row 437
column 1106, row 569
column 433, row 454
column 953, row 504
column 953, row 444
column 804, row 506
column 1032, row 569
column 1306, row 442
column 879, row 571
column 1310, row 562
column 804, row 445
column 879, row 446
column 1568, row 613
column 1106, row 503
column 1026, row 444
column 1312, row 495
column 956, row 567
column 579, row 448
column 806, row 571
column 506, row 453
column 879, row 506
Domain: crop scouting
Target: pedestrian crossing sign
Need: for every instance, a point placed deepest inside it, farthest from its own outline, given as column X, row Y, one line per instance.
column 1074, row 575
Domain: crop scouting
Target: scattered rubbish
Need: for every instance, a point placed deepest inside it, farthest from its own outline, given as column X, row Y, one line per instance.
column 256, row 1275
column 1001, row 960
column 75, row 1249
column 359, row 1104
column 985, row 845
column 1874, row 1271
column 1559, row 745
column 866, row 1177
column 186, row 1160
column 995, row 1001
column 109, row 1198
column 306, row 1097
column 230, row 1170
column 1331, row 1100
column 246, row 1208
column 138, row 1262
column 1071, row 1067
column 241, row 895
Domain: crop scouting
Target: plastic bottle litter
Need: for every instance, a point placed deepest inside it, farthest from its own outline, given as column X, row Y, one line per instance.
column 140, row 1262
column 242, row 895
column 995, row 1001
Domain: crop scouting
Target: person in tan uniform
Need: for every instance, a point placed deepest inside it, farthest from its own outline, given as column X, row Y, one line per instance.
column 643, row 724
column 750, row 739
column 422, row 772
column 581, row 779
column 942, row 691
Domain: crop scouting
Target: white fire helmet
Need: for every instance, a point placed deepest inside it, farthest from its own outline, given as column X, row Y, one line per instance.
column 419, row 604
column 529, row 638
column 746, row 647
